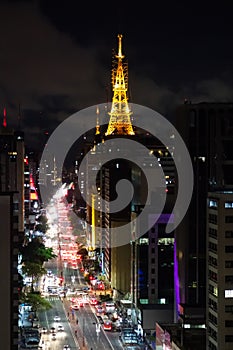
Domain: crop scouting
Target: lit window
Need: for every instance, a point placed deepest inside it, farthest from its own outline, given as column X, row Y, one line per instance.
column 162, row 301
column 213, row 203
column 143, row 241
column 229, row 293
column 228, row 204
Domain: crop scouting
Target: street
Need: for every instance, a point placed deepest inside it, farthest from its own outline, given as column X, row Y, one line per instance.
column 90, row 333
column 82, row 329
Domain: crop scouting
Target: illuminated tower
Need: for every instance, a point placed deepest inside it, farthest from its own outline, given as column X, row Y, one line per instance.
column 120, row 123
column 97, row 128
column 97, row 138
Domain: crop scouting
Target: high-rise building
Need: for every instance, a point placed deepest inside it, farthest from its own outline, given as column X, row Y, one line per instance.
column 9, row 241
column 219, row 314
column 12, row 165
column 153, row 271
column 12, row 226
column 206, row 128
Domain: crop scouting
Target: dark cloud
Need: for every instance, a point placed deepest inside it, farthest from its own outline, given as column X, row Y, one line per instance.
column 55, row 57
column 36, row 59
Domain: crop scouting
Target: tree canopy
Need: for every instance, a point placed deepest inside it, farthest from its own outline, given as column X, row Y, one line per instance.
column 34, row 254
column 37, row 302
column 36, row 251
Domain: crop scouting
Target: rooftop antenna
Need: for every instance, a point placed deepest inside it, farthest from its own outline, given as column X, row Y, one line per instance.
column 97, row 128
column 4, row 118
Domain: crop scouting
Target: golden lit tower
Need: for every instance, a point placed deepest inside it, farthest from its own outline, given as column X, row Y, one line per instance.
column 97, row 128
column 120, row 123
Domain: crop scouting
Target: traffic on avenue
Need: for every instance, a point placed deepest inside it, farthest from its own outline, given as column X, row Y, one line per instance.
column 81, row 316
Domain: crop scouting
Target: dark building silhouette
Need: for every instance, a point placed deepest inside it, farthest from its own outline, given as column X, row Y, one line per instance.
column 12, row 227
column 207, row 129
column 9, row 241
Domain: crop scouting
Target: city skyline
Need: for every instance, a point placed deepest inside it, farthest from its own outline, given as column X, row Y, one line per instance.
column 145, row 212
column 55, row 58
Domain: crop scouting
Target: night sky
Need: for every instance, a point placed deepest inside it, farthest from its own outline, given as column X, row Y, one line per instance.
column 56, row 56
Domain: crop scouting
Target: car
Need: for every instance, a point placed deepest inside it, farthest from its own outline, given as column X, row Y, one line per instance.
column 52, row 329
column 107, row 325
column 57, row 318
column 60, row 328
column 44, row 330
column 75, row 307
column 31, row 342
column 93, row 301
column 53, row 336
column 36, row 325
column 73, row 300
column 85, row 299
column 99, row 309
column 86, row 288
column 66, row 347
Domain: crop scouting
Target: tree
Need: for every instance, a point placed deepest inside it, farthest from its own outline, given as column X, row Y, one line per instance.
column 36, row 251
column 33, row 270
column 37, row 302
column 82, row 251
column 34, row 254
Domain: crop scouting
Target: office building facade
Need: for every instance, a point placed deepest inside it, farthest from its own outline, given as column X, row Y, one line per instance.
column 12, row 220
column 206, row 128
column 219, row 314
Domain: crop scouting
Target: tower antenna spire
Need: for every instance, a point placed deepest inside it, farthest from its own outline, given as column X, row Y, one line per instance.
column 97, row 128
column 120, row 47
column 120, row 113
column 4, row 118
